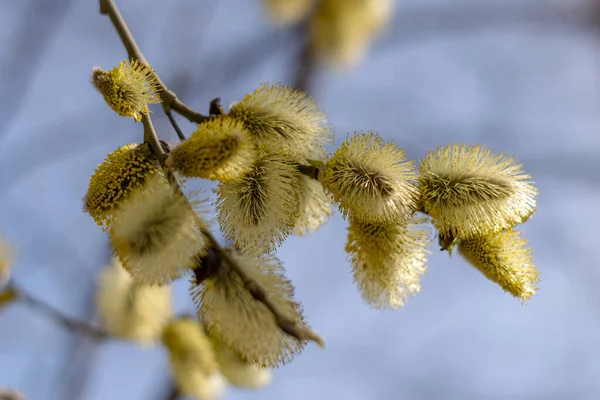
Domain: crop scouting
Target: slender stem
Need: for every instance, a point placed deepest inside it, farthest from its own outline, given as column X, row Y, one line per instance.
column 180, row 134
column 169, row 99
column 71, row 324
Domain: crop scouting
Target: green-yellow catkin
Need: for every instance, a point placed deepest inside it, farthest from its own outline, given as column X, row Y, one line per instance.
column 234, row 317
column 123, row 171
column 260, row 210
column 287, row 12
column 315, row 206
column 342, row 30
column 6, row 257
column 237, row 371
column 131, row 311
column 504, row 259
column 285, row 119
column 195, row 368
column 220, row 149
column 155, row 234
column 128, row 88
column 371, row 179
column 471, row 191
column 388, row 260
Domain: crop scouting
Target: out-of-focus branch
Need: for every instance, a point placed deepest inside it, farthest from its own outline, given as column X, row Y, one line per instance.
column 71, row 324
column 11, row 394
column 169, row 99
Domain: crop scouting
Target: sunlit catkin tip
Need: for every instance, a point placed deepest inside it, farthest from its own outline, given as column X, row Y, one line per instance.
column 503, row 258
column 471, row 191
column 371, row 180
column 192, row 359
column 128, row 88
column 131, row 311
column 220, row 149
column 260, row 210
column 315, row 206
column 285, row 119
column 388, row 260
column 120, row 174
column 237, row 371
column 233, row 316
column 287, row 12
column 155, row 234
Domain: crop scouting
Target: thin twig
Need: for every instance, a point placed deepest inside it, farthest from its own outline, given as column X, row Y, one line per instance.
column 258, row 292
column 71, row 324
column 169, row 99
column 180, row 134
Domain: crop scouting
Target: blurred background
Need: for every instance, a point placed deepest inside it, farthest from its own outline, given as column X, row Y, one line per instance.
column 520, row 76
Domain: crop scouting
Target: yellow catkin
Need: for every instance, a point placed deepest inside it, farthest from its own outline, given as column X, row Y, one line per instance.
column 128, row 88
column 220, row 149
column 471, row 191
column 285, row 119
column 192, row 359
column 122, row 172
column 371, row 179
column 131, row 311
column 504, row 259
column 342, row 30
column 234, row 317
column 388, row 260
column 155, row 234
column 260, row 210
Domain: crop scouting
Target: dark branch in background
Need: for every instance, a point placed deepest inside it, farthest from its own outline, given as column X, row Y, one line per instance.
column 169, row 99
column 150, row 137
column 71, row 324
column 306, row 63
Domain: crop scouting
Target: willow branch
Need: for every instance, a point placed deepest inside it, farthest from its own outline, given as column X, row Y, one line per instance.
column 169, row 98
column 73, row 325
column 256, row 290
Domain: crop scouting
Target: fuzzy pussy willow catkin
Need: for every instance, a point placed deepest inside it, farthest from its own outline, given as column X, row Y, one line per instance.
column 155, row 233
column 260, row 210
column 131, row 311
column 504, row 259
column 128, row 88
column 233, row 316
column 220, row 149
column 471, row 191
column 388, row 260
column 192, row 359
column 123, row 171
column 371, row 179
column 285, row 119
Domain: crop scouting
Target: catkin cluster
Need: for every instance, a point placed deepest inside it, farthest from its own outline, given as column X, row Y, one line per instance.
column 275, row 178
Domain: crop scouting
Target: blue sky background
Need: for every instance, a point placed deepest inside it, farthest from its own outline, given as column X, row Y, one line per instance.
column 520, row 76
